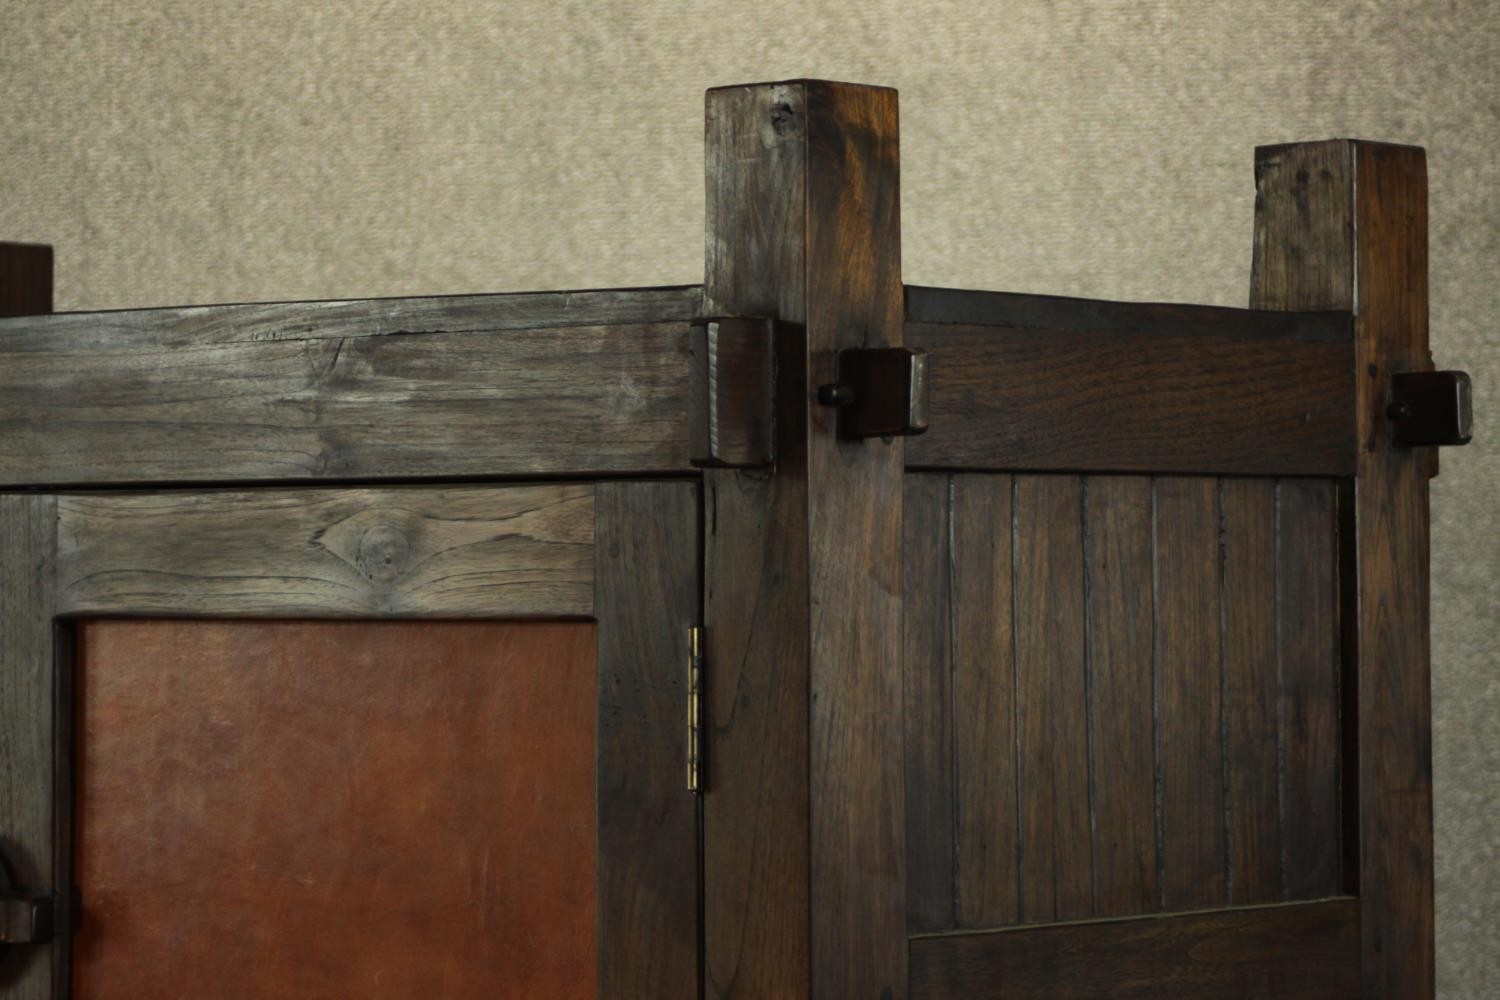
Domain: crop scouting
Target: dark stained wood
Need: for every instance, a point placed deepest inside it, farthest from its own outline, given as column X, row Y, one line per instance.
column 756, row 613
column 25, row 279
column 932, row 868
column 578, row 383
column 1117, row 525
column 1179, row 399
column 27, row 770
column 806, row 174
column 1051, row 700
column 1252, row 697
column 1308, row 653
column 456, row 552
column 984, row 706
column 1343, row 224
column 331, row 809
column 1305, row 951
column 732, row 392
column 1189, row 693
column 962, row 307
column 646, row 600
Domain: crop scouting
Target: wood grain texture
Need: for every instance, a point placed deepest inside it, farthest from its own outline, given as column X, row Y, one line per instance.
column 25, row 279
column 805, row 173
column 1123, row 387
column 1253, row 711
column 27, row 689
column 475, row 552
column 930, row 704
column 987, row 837
column 1051, row 700
column 1118, row 552
column 373, row 809
column 756, row 804
column 1189, row 694
column 467, row 386
column 647, row 592
column 1309, row 661
column 1343, row 224
column 1306, row 951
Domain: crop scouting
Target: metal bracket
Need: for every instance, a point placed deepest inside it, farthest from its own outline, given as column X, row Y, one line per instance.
column 881, row 392
column 732, row 392
column 1431, row 408
column 25, row 919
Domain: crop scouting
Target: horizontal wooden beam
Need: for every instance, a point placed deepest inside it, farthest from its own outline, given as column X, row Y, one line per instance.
column 498, row 385
column 1300, row 951
column 1041, row 383
column 460, row 552
column 597, row 383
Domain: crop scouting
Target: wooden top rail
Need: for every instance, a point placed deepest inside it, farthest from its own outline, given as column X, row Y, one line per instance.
column 1148, row 387
column 595, row 383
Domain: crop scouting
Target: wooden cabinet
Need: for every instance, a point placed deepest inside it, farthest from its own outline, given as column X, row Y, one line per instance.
column 801, row 633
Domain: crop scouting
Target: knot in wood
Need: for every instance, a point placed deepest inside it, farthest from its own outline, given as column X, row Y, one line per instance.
column 384, row 551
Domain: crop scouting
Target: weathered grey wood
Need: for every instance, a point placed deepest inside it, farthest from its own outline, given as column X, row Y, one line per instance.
column 457, row 552
column 474, row 386
column 803, row 225
column 27, row 681
column 1343, row 224
column 646, row 600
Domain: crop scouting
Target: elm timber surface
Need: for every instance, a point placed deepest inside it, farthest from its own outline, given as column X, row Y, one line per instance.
column 1342, row 224
column 647, row 588
column 530, row 384
column 1118, row 689
column 327, row 809
column 805, row 856
column 452, row 552
column 1042, row 382
column 1303, row 951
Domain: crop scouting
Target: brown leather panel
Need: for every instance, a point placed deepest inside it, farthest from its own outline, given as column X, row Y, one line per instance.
column 336, row 809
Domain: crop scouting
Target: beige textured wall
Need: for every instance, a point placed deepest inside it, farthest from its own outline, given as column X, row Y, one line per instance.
column 202, row 150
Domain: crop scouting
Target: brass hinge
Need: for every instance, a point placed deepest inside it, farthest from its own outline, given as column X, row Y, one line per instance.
column 695, row 710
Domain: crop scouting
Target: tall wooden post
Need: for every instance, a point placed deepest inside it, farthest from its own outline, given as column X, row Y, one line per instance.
column 1343, row 225
column 26, row 668
column 804, row 803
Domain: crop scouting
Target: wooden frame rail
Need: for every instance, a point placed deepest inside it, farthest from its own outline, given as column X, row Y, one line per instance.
column 596, row 383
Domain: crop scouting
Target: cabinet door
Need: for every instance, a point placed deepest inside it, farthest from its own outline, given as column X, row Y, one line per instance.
column 368, row 742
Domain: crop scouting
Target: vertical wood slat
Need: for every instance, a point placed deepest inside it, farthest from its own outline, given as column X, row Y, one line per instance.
column 646, row 600
column 1188, row 686
column 927, row 652
column 1052, row 747
column 804, row 587
column 1342, row 224
column 1248, row 574
column 28, row 683
column 984, row 706
column 1117, row 528
column 1306, row 538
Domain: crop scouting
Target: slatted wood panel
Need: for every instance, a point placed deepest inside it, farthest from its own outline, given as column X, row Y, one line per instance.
column 1121, row 696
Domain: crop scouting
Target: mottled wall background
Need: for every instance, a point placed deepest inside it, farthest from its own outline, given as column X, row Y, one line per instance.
column 183, row 151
